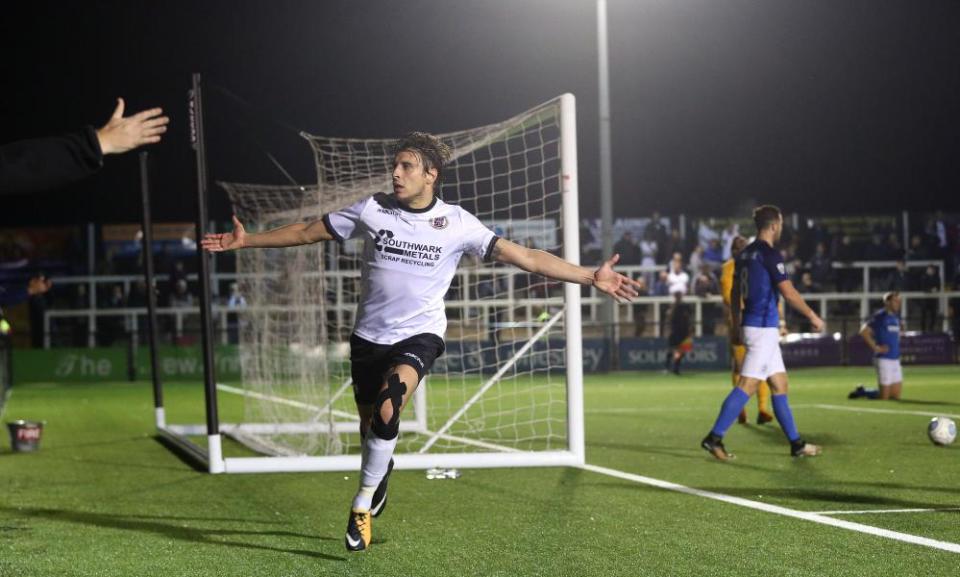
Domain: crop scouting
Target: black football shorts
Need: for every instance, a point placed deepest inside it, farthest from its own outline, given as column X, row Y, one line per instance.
column 369, row 362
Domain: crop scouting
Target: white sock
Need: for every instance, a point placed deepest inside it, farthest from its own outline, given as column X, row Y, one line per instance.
column 364, row 499
column 375, row 460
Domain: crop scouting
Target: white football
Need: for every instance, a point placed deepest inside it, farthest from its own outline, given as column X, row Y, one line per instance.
column 942, row 431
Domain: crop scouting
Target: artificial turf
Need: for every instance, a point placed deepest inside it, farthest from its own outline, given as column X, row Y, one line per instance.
column 103, row 497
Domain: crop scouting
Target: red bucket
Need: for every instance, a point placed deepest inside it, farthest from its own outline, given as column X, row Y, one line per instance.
column 25, row 436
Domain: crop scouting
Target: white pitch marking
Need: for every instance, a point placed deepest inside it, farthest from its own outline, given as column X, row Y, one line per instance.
column 869, row 512
column 639, row 410
column 874, row 410
column 778, row 510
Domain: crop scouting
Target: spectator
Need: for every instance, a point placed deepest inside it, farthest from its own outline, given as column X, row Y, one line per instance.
column 821, row 268
column 673, row 244
column 678, row 281
column 929, row 283
column 899, row 279
column 713, row 255
column 894, row 250
column 875, row 250
column 116, row 299
column 919, row 249
column 640, row 311
column 662, row 286
column 177, row 273
column 79, row 326
column 81, row 299
column 659, row 234
column 137, row 299
column 706, row 284
column 236, row 300
column 807, row 285
column 648, row 253
column 731, row 232
column 847, row 277
column 138, row 295
column 696, row 259
column 628, row 250
column 111, row 327
column 181, row 296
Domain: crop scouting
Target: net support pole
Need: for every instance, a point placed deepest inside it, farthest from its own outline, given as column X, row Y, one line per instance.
column 148, row 272
column 215, row 456
column 571, row 253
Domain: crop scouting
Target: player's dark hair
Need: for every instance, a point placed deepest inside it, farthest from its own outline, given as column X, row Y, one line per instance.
column 765, row 216
column 890, row 295
column 432, row 152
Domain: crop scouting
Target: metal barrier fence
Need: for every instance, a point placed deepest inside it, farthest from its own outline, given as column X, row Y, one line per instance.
column 490, row 299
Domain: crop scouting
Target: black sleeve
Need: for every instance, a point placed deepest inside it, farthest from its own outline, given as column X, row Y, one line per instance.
column 488, row 254
column 48, row 163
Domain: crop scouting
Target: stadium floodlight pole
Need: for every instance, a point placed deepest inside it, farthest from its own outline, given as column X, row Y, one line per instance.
column 215, row 454
column 606, row 170
column 152, row 334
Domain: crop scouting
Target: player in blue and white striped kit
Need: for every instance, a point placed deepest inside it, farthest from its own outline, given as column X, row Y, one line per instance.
column 882, row 335
column 760, row 278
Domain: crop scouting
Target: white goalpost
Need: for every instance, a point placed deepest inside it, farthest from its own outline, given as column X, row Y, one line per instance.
column 509, row 389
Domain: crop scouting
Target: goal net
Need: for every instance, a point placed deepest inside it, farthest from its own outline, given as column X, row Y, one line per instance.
column 506, row 392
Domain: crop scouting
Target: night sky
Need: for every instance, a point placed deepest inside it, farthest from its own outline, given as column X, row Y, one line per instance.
column 826, row 106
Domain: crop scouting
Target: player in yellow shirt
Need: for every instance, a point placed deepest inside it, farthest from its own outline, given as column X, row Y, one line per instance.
column 737, row 352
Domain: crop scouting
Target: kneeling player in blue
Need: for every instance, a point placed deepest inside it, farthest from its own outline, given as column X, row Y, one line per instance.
column 759, row 279
column 882, row 335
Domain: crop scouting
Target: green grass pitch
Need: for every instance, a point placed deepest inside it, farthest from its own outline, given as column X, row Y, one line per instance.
column 103, row 497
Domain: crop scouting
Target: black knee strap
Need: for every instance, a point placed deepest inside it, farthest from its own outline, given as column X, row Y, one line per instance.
column 394, row 393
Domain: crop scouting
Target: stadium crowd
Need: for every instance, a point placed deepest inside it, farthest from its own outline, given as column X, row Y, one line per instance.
column 674, row 259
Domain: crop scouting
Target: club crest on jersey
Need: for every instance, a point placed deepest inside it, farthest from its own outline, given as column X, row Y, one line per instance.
column 439, row 222
column 781, row 268
column 383, row 236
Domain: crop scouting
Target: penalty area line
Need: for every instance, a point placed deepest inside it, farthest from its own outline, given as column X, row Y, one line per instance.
column 777, row 510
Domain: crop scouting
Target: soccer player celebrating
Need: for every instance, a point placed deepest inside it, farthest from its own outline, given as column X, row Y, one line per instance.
column 413, row 242
column 882, row 335
column 759, row 278
column 737, row 351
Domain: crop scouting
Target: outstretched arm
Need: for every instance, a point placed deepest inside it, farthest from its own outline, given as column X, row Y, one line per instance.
column 121, row 134
column 43, row 164
column 289, row 235
column 36, row 286
column 618, row 286
column 796, row 301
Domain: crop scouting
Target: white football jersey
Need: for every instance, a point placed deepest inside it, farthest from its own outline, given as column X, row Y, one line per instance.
column 409, row 259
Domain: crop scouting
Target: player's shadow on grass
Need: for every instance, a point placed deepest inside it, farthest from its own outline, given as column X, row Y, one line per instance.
column 172, row 531
column 822, row 495
column 694, row 453
column 922, row 402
